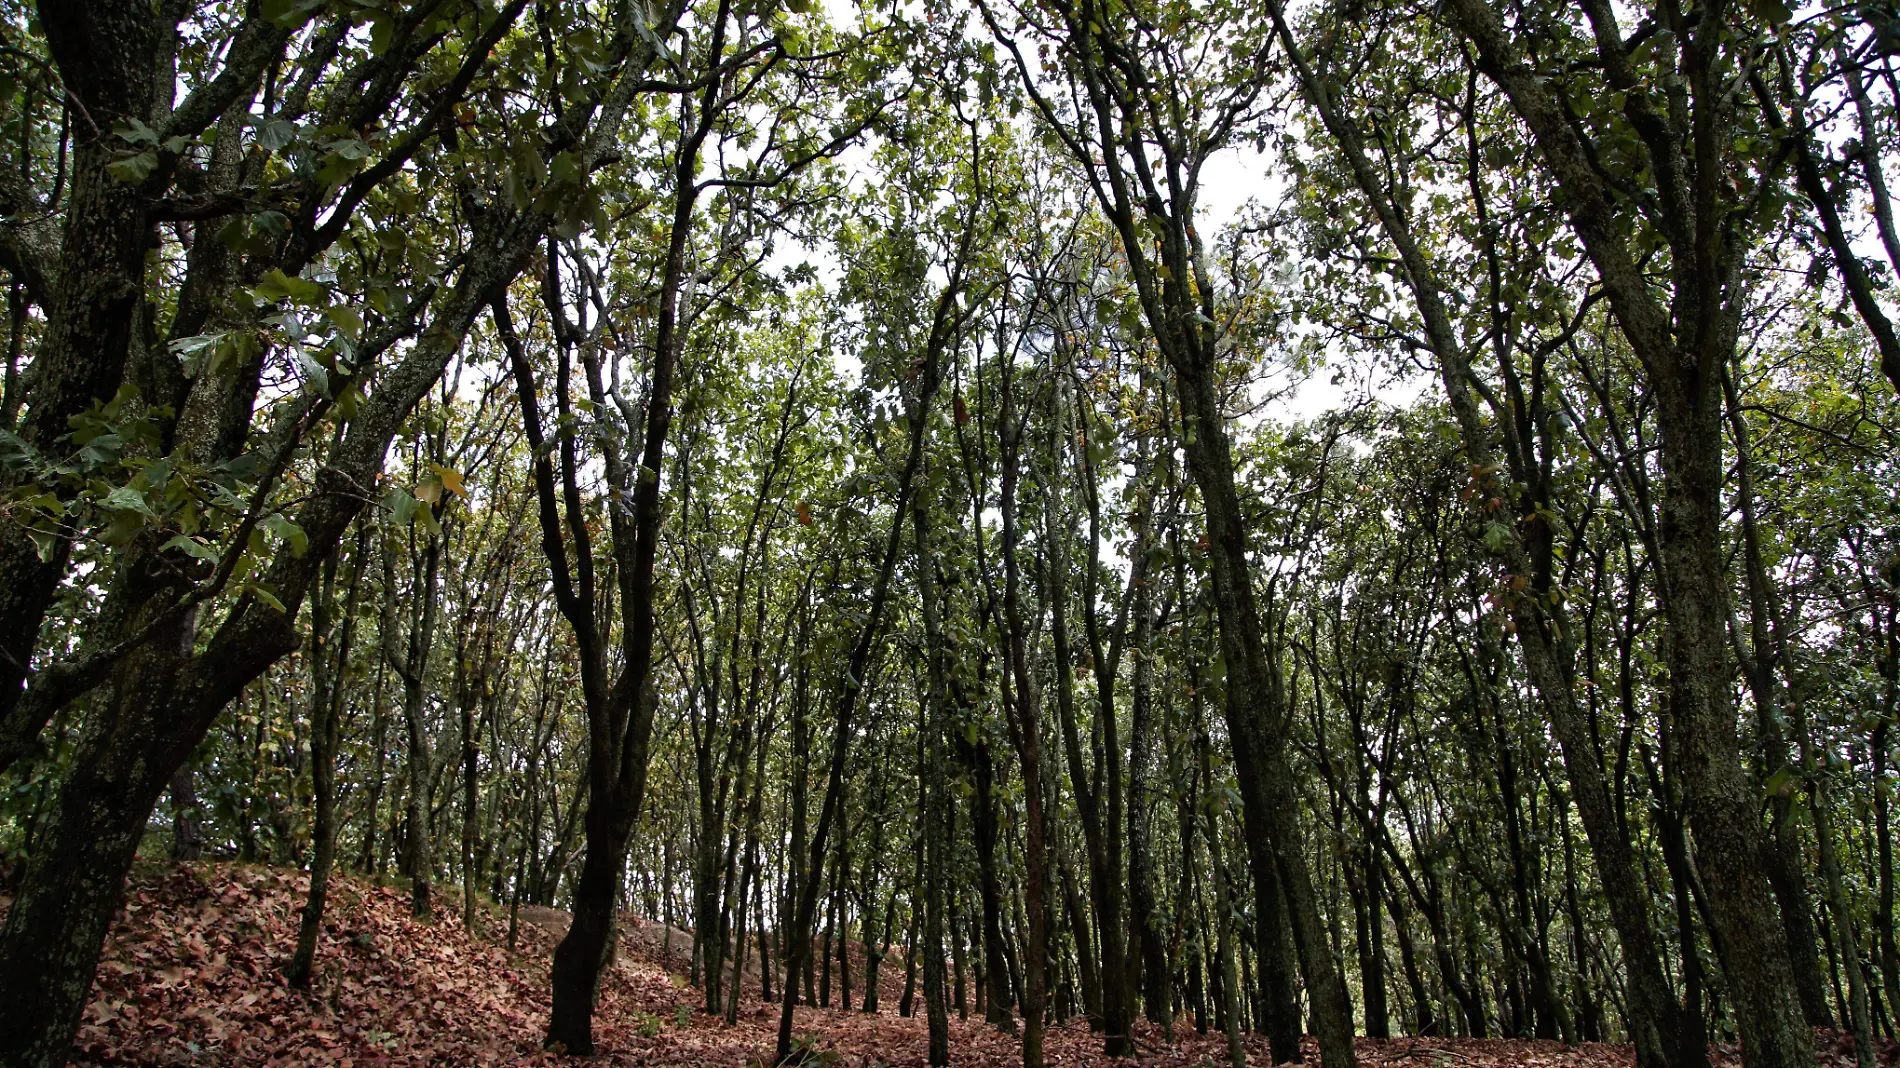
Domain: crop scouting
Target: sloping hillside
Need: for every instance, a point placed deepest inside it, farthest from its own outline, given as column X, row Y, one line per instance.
column 190, row 977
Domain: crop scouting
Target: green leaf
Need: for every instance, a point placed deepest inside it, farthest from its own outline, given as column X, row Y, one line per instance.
column 347, row 320
column 338, row 168
column 264, row 594
column 133, row 131
column 125, row 525
column 402, row 506
column 276, row 286
column 288, row 14
column 192, row 547
column 317, row 374
column 135, row 168
column 1781, row 784
column 45, row 541
column 276, row 134
column 128, row 499
column 280, row 527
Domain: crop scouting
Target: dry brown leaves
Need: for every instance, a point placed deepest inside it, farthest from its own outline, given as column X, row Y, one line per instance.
column 191, row 976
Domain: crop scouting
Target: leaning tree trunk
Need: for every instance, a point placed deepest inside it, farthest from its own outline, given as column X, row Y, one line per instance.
column 1548, row 654
column 74, row 880
column 1257, row 722
column 1683, row 349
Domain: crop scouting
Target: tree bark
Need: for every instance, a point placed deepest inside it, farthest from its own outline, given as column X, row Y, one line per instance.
column 1683, row 351
column 326, row 715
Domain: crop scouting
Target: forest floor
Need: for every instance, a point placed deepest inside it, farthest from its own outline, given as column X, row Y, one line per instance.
column 191, row 976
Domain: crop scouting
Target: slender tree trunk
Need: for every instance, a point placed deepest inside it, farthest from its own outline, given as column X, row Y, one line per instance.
column 187, row 816
column 371, row 859
column 1883, row 843
column 996, row 998
column 748, row 878
column 620, row 719
column 1079, row 926
column 326, row 714
column 959, row 957
column 1224, row 907
column 1149, row 961
column 1257, row 720
column 1026, row 734
column 841, row 887
column 906, row 1004
column 831, row 927
column 936, row 792
column 418, row 860
column 1370, row 917
column 471, row 810
column 875, row 941
column 1782, row 859
column 849, row 693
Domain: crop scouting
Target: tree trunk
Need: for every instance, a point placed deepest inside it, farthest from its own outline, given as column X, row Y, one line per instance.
column 849, row 692
column 75, row 877
column 1149, row 961
column 326, row 715
column 418, row 857
column 187, row 816
column 1224, row 907
column 936, row 792
column 112, row 58
column 1683, row 349
column 996, row 999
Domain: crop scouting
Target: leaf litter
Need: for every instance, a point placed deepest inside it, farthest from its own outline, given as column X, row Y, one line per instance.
column 191, row 975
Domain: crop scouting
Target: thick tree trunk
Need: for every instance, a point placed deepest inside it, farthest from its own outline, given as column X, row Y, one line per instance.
column 153, row 714
column 1684, row 349
column 1720, row 803
column 73, row 887
column 112, row 58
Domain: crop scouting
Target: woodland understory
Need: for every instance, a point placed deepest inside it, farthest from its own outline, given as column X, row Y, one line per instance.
column 191, row 976
column 1043, row 531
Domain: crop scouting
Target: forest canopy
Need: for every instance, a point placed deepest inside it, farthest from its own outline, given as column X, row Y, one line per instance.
column 1351, row 518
